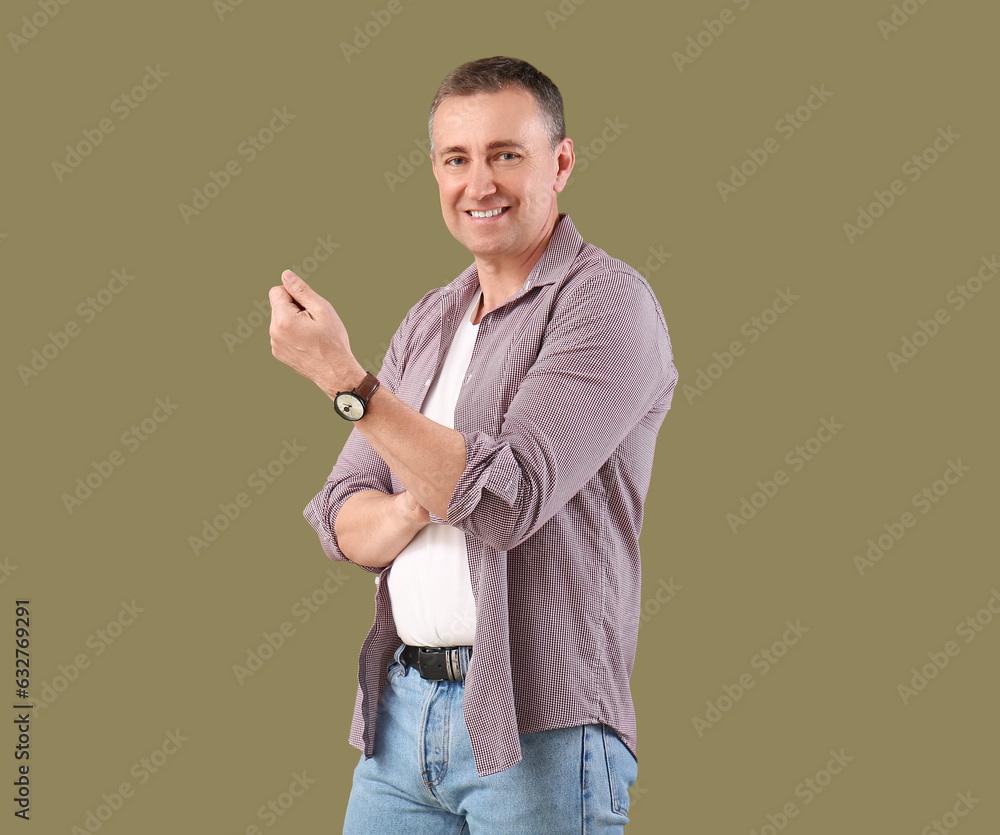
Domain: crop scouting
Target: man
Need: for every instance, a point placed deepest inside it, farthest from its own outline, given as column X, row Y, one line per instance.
column 494, row 481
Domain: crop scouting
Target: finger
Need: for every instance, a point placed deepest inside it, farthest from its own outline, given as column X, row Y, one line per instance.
column 300, row 292
column 282, row 302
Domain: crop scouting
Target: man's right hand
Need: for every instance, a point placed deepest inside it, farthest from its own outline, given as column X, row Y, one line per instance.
column 412, row 509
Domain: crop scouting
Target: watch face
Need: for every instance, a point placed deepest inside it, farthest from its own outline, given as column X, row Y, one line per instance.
column 350, row 406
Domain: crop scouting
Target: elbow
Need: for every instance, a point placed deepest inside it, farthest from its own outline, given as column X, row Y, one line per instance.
column 321, row 515
column 499, row 525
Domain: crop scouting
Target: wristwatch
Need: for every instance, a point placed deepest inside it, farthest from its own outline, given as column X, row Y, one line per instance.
column 351, row 404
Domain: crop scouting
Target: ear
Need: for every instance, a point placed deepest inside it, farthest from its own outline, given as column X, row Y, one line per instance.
column 565, row 160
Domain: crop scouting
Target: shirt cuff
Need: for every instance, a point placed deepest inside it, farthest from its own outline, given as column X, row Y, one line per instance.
column 489, row 465
column 321, row 508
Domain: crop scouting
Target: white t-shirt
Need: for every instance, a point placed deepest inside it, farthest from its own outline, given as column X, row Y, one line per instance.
column 429, row 585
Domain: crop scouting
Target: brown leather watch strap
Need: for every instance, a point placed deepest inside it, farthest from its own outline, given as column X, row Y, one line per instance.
column 367, row 387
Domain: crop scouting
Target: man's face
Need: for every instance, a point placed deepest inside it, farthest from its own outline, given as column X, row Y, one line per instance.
column 491, row 152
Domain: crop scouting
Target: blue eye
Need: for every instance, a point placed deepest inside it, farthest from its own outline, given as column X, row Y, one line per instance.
column 508, row 154
column 453, row 159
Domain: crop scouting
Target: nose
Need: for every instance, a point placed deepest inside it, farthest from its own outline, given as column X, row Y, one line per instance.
column 480, row 183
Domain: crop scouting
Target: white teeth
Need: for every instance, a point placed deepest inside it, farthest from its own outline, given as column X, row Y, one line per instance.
column 490, row 213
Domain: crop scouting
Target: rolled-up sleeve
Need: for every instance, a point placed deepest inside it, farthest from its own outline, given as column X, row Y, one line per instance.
column 359, row 467
column 604, row 364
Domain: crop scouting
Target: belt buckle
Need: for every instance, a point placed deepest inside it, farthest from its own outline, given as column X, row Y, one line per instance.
column 453, row 665
column 439, row 664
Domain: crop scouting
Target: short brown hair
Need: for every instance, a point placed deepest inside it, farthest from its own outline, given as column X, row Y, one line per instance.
column 490, row 75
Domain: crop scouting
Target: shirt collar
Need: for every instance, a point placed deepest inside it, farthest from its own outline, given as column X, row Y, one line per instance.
column 561, row 251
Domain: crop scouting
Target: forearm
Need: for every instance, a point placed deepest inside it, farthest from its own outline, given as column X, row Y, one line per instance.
column 372, row 527
column 426, row 456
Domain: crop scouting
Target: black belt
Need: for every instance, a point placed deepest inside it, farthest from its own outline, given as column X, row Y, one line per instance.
column 435, row 663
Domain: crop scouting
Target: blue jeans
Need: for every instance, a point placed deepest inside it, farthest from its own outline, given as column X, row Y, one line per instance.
column 422, row 777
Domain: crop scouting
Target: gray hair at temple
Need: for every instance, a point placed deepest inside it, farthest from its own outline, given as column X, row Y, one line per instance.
column 491, row 75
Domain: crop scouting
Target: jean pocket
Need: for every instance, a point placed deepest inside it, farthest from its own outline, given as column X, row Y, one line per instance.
column 622, row 770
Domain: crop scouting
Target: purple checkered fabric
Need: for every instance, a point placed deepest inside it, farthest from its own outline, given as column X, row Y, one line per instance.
column 568, row 384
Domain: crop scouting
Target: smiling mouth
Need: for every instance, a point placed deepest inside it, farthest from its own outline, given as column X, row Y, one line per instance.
column 488, row 213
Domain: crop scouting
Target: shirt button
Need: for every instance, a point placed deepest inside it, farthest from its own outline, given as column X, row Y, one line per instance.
column 427, row 383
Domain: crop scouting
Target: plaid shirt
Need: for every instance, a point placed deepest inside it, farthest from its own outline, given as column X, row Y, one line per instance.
column 568, row 384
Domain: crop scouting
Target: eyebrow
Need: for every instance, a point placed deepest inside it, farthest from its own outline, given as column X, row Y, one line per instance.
column 501, row 143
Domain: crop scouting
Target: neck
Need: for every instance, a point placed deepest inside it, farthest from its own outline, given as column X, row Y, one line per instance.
column 501, row 278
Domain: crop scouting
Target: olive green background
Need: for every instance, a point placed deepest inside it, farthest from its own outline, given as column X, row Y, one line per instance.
column 653, row 188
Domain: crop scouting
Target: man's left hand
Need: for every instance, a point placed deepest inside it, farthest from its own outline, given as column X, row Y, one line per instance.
column 307, row 335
